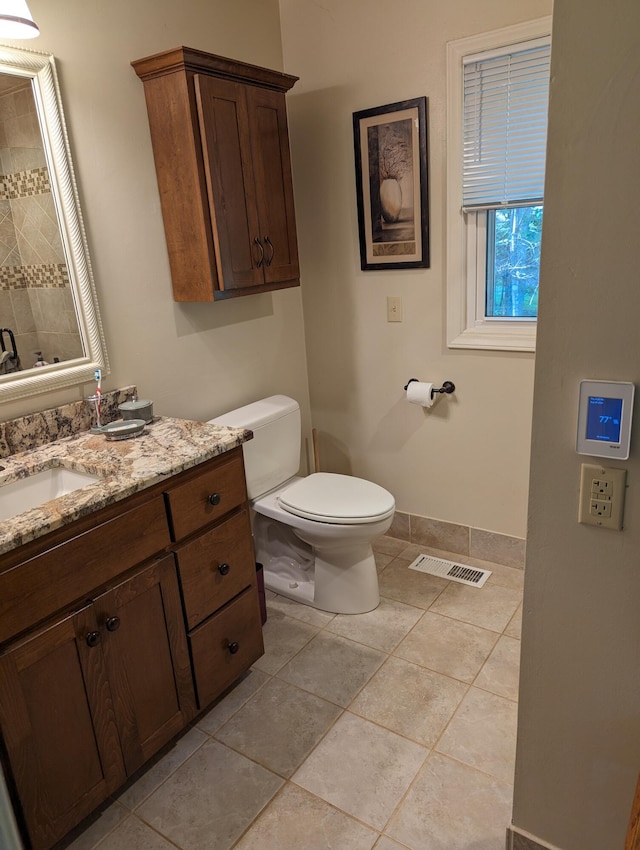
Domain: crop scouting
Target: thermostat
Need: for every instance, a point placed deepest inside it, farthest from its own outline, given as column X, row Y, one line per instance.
column 604, row 418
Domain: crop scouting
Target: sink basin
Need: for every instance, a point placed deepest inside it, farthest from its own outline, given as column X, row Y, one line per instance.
column 35, row 490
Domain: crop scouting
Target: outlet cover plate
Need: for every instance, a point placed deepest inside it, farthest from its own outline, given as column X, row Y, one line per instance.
column 602, row 491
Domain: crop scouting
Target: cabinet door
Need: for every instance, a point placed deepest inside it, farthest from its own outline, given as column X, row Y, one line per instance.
column 58, row 726
column 269, row 137
column 147, row 660
column 224, row 131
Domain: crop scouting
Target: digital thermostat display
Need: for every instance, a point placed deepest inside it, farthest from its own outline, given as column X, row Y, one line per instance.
column 604, row 418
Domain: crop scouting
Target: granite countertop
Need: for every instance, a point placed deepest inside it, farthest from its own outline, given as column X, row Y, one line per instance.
column 165, row 448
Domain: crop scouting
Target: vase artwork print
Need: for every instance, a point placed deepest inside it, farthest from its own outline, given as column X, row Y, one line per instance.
column 390, row 144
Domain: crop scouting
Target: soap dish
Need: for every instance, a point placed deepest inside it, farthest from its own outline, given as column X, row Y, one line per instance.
column 123, row 429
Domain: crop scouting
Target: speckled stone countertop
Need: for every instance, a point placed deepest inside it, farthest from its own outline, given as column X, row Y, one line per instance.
column 165, row 448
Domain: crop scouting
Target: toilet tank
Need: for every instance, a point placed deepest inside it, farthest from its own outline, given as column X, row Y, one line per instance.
column 273, row 456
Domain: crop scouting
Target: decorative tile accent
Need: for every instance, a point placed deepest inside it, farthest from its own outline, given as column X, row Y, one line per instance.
column 40, row 276
column 24, row 184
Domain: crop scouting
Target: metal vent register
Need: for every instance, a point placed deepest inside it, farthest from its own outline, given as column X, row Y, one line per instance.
column 450, row 570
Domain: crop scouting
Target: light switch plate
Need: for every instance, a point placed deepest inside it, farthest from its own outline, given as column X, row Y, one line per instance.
column 602, row 491
column 394, row 308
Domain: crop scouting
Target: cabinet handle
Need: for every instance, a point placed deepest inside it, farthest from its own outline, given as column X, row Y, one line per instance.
column 273, row 250
column 214, row 499
column 233, row 647
column 223, row 569
column 259, row 244
column 93, row 639
column 113, row 624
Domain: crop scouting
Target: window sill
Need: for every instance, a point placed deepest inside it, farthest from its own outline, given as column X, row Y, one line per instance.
column 520, row 336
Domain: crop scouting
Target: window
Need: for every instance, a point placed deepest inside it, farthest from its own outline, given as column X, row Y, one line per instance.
column 498, row 93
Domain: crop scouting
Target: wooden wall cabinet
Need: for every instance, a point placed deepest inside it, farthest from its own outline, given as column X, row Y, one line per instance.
column 108, row 630
column 221, row 149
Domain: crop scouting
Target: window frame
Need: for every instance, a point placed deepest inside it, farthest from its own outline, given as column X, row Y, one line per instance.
column 466, row 240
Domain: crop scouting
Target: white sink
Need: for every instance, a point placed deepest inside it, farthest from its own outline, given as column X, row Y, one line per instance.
column 35, row 490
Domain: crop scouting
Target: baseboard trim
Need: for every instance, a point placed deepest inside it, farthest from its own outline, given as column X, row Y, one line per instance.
column 518, row 839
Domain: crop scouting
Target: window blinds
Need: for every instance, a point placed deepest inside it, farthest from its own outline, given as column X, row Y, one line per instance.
column 506, row 97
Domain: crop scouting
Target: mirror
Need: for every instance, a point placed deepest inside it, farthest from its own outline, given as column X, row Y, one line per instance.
column 48, row 306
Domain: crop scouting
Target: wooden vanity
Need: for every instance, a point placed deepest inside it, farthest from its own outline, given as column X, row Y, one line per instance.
column 116, row 629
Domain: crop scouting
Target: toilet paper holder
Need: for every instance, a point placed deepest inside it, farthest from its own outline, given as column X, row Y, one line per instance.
column 447, row 387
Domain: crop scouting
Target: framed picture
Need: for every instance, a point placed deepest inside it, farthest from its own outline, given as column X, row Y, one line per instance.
column 392, row 185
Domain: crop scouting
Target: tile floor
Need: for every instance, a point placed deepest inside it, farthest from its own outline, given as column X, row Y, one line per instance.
column 388, row 730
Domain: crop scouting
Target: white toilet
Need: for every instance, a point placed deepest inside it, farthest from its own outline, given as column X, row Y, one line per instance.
column 312, row 535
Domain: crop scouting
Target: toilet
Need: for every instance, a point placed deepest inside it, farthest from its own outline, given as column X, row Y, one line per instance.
column 312, row 535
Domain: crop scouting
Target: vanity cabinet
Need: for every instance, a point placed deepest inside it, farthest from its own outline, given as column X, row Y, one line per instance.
column 221, row 149
column 110, row 627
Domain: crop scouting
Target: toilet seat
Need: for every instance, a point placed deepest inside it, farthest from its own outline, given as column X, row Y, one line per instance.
column 338, row 499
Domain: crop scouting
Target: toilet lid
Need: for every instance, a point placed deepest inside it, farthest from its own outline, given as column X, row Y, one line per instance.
column 340, row 499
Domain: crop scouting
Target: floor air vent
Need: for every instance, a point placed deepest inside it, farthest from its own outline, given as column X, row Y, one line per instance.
column 448, row 569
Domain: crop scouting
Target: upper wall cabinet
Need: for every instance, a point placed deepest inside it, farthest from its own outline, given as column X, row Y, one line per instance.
column 221, row 149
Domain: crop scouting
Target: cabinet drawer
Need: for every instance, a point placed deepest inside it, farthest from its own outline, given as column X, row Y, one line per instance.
column 215, row 567
column 46, row 583
column 208, row 496
column 215, row 663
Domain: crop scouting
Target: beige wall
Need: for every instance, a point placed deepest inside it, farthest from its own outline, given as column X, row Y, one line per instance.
column 579, row 729
column 466, row 461
column 194, row 360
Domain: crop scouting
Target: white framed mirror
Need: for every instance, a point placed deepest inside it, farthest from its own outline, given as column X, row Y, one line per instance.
column 48, row 306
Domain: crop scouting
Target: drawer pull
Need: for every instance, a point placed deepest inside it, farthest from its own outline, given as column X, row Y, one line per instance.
column 93, row 639
column 233, row 647
column 113, row 624
column 223, row 569
column 215, row 499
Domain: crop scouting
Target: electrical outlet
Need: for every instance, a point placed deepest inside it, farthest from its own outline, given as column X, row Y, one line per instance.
column 602, row 492
column 394, row 308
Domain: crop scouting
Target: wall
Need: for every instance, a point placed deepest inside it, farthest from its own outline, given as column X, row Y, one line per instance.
column 579, row 736
column 194, row 360
column 466, row 461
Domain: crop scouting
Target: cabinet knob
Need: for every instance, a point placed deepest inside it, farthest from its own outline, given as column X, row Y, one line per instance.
column 268, row 242
column 233, row 647
column 259, row 244
column 215, row 499
column 223, row 569
column 113, row 624
column 93, row 639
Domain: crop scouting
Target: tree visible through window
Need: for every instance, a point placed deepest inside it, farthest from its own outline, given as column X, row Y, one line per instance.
column 513, row 262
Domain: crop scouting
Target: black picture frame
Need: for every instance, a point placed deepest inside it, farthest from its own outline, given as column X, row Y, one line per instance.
column 392, row 185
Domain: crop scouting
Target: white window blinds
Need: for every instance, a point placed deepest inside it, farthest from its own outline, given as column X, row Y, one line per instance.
column 506, row 96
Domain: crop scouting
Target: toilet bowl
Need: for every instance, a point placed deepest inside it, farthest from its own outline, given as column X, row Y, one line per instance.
column 312, row 535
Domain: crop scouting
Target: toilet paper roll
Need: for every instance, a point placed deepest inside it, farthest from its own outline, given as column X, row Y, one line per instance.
column 419, row 392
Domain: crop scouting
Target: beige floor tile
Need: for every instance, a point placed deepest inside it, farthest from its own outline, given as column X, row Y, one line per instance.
column 500, row 674
column 296, row 820
column 514, row 629
column 233, row 700
column 386, row 843
column 398, row 582
column 506, row 576
column 389, row 545
column 382, row 560
column 104, row 822
column 490, row 607
column 362, row 769
column 448, row 646
column 332, row 667
column 279, row 726
column 283, row 637
column 208, row 802
column 156, row 774
column 482, row 734
column 453, row 807
column 410, row 700
column 382, row 629
column 298, row 611
column 132, row 834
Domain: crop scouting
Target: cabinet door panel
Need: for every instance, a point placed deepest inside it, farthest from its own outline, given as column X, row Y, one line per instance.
column 58, row 726
column 226, row 149
column 147, row 660
column 274, row 187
